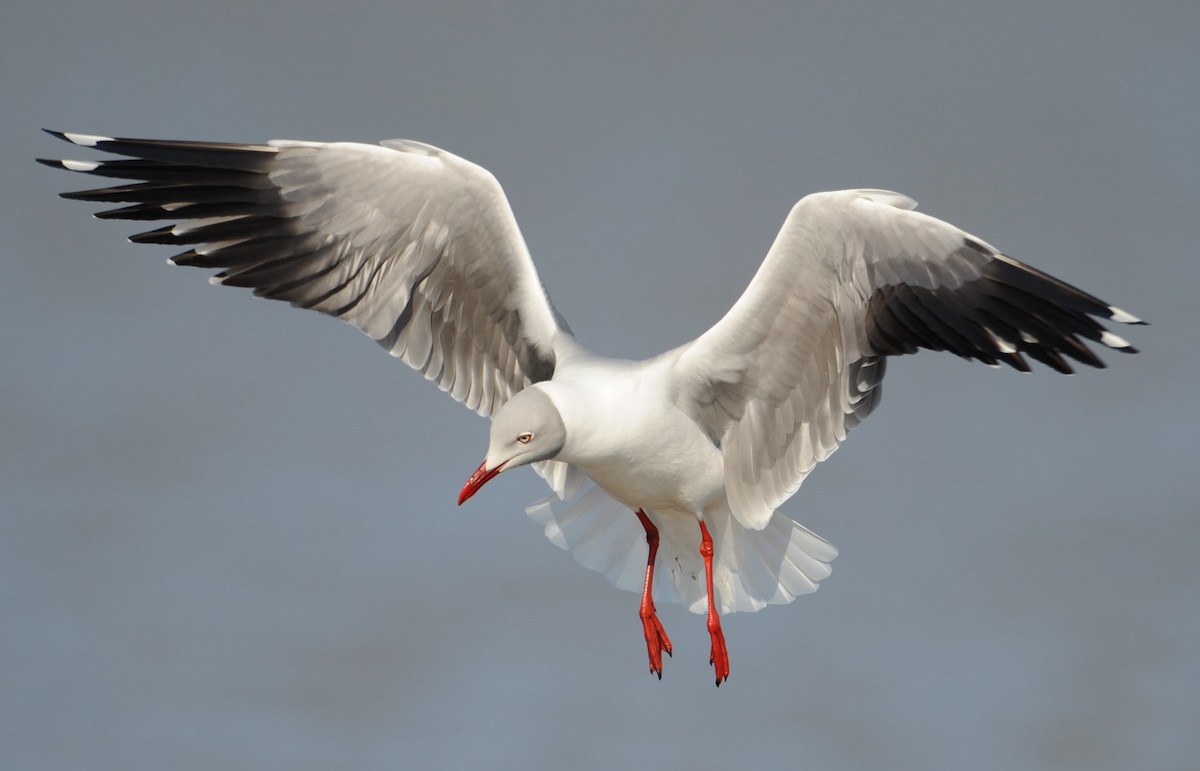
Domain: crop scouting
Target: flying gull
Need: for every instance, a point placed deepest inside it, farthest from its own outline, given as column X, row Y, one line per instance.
column 667, row 474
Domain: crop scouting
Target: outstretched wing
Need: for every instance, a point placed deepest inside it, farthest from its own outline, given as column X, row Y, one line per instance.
column 855, row 276
column 413, row 245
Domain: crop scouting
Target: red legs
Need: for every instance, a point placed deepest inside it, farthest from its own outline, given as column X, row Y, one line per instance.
column 656, row 637
column 719, row 657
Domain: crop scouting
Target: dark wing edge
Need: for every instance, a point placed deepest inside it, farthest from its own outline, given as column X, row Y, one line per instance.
column 1010, row 311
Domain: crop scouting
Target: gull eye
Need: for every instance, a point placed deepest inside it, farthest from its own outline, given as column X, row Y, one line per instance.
column 525, row 437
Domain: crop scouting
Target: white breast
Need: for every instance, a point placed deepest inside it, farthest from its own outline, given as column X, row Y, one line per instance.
column 623, row 430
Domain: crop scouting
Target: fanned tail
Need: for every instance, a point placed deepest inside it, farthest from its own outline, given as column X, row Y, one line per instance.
column 752, row 568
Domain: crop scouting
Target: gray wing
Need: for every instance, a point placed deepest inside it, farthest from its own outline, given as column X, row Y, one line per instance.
column 853, row 277
column 416, row 247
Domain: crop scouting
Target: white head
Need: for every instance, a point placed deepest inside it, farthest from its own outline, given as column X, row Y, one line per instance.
column 526, row 429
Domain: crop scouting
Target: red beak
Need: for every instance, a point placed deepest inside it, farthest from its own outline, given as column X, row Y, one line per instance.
column 477, row 480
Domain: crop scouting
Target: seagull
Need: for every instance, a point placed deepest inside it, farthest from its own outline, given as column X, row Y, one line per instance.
column 666, row 474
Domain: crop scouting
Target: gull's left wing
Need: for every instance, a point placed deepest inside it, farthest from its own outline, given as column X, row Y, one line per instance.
column 853, row 277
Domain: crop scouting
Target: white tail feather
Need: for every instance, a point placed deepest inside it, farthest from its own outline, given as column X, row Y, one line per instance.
column 752, row 568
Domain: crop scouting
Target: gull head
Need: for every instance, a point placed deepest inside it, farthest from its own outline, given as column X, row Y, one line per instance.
column 526, row 429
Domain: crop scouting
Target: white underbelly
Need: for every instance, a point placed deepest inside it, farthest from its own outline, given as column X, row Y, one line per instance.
column 663, row 473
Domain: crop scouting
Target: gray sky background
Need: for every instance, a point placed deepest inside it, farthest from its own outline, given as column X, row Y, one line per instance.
column 229, row 537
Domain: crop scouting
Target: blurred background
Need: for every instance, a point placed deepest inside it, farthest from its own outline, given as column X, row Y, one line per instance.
column 229, row 538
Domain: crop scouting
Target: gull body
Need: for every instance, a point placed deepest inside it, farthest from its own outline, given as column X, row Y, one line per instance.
column 627, row 432
column 666, row 474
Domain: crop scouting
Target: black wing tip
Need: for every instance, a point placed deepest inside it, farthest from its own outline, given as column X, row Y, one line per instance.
column 83, row 167
column 77, row 195
column 1121, row 316
column 82, row 140
column 164, row 235
column 230, row 155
